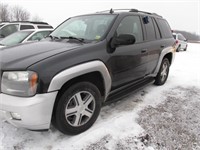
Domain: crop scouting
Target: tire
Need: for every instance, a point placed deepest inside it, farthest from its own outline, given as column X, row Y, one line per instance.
column 178, row 48
column 77, row 109
column 185, row 49
column 163, row 72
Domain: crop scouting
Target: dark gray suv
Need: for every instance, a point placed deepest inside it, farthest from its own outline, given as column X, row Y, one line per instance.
column 86, row 61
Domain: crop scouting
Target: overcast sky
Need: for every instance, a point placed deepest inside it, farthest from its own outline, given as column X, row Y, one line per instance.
column 181, row 15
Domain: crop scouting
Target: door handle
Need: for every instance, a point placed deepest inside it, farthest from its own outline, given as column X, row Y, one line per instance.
column 143, row 50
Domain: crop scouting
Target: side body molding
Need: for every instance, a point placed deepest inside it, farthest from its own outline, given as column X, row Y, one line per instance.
column 61, row 78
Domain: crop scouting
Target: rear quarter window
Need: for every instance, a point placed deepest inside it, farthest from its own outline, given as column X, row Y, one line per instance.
column 44, row 27
column 164, row 28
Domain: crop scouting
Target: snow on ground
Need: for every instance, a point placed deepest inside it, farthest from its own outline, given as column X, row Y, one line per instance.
column 164, row 117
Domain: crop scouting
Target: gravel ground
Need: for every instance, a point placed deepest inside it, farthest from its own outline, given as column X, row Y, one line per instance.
column 174, row 124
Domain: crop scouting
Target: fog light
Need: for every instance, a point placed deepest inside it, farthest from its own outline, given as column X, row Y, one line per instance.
column 15, row 116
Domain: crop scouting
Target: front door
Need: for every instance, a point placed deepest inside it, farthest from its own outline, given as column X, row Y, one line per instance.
column 128, row 62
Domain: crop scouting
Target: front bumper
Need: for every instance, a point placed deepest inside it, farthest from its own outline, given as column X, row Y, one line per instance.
column 35, row 112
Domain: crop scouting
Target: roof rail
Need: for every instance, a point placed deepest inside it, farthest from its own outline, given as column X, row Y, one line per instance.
column 129, row 10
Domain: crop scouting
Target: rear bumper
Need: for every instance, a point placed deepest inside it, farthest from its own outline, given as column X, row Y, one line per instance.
column 35, row 112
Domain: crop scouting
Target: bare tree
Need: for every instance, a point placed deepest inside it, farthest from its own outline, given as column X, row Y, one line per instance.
column 16, row 13
column 36, row 18
column 4, row 12
column 20, row 14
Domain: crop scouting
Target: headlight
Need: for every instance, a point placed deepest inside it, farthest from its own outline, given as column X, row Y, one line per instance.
column 19, row 83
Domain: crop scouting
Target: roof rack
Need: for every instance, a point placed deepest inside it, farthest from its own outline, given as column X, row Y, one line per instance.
column 129, row 10
column 33, row 22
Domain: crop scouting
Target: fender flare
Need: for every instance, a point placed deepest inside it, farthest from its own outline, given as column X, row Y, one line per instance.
column 164, row 52
column 93, row 66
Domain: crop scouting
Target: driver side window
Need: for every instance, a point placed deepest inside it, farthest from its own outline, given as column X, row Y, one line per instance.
column 131, row 25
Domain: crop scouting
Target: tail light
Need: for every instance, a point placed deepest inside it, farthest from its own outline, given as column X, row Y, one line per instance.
column 176, row 41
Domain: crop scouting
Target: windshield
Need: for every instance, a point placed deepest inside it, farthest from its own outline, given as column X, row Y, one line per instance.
column 15, row 38
column 91, row 27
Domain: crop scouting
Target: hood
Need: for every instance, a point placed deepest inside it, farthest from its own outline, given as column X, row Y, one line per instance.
column 24, row 55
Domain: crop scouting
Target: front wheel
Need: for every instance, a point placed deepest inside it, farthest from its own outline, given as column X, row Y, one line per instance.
column 77, row 108
column 163, row 72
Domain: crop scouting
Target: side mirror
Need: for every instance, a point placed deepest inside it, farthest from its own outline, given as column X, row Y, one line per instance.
column 122, row 39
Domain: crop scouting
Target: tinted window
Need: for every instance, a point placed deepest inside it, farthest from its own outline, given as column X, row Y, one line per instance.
column 131, row 25
column 165, row 28
column 45, row 27
column 8, row 29
column 24, row 27
column 151, row 35
column 156, row 29
column 39, row 35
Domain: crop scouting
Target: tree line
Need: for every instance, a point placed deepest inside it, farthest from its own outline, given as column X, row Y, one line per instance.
column 15, row 13
column 188, row 35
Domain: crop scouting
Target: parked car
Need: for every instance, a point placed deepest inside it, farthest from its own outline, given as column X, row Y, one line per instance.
column 181, row 42
column 25, row 36
column 7, row 28
column 3, row 23
column 85, row 62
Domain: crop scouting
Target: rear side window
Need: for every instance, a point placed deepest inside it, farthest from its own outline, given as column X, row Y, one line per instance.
column 45, row 27
column 165, row 28
column 24, row 27
column 158, row 36
column 131, row 25
column 150, row 31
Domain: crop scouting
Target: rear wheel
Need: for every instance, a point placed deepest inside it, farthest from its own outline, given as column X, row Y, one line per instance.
column 78, row 108
column 163, row 72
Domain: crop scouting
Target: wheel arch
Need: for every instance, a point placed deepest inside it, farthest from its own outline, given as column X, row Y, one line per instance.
column 94, row 71
column 168, row 53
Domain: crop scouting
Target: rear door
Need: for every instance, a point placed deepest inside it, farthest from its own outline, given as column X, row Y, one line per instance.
column 152, row 42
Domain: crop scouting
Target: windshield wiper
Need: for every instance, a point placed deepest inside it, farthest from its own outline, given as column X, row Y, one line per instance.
column 53, row 37
column 74, row 38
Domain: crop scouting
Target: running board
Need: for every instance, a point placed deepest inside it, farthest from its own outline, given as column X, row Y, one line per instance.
column 125, row 91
